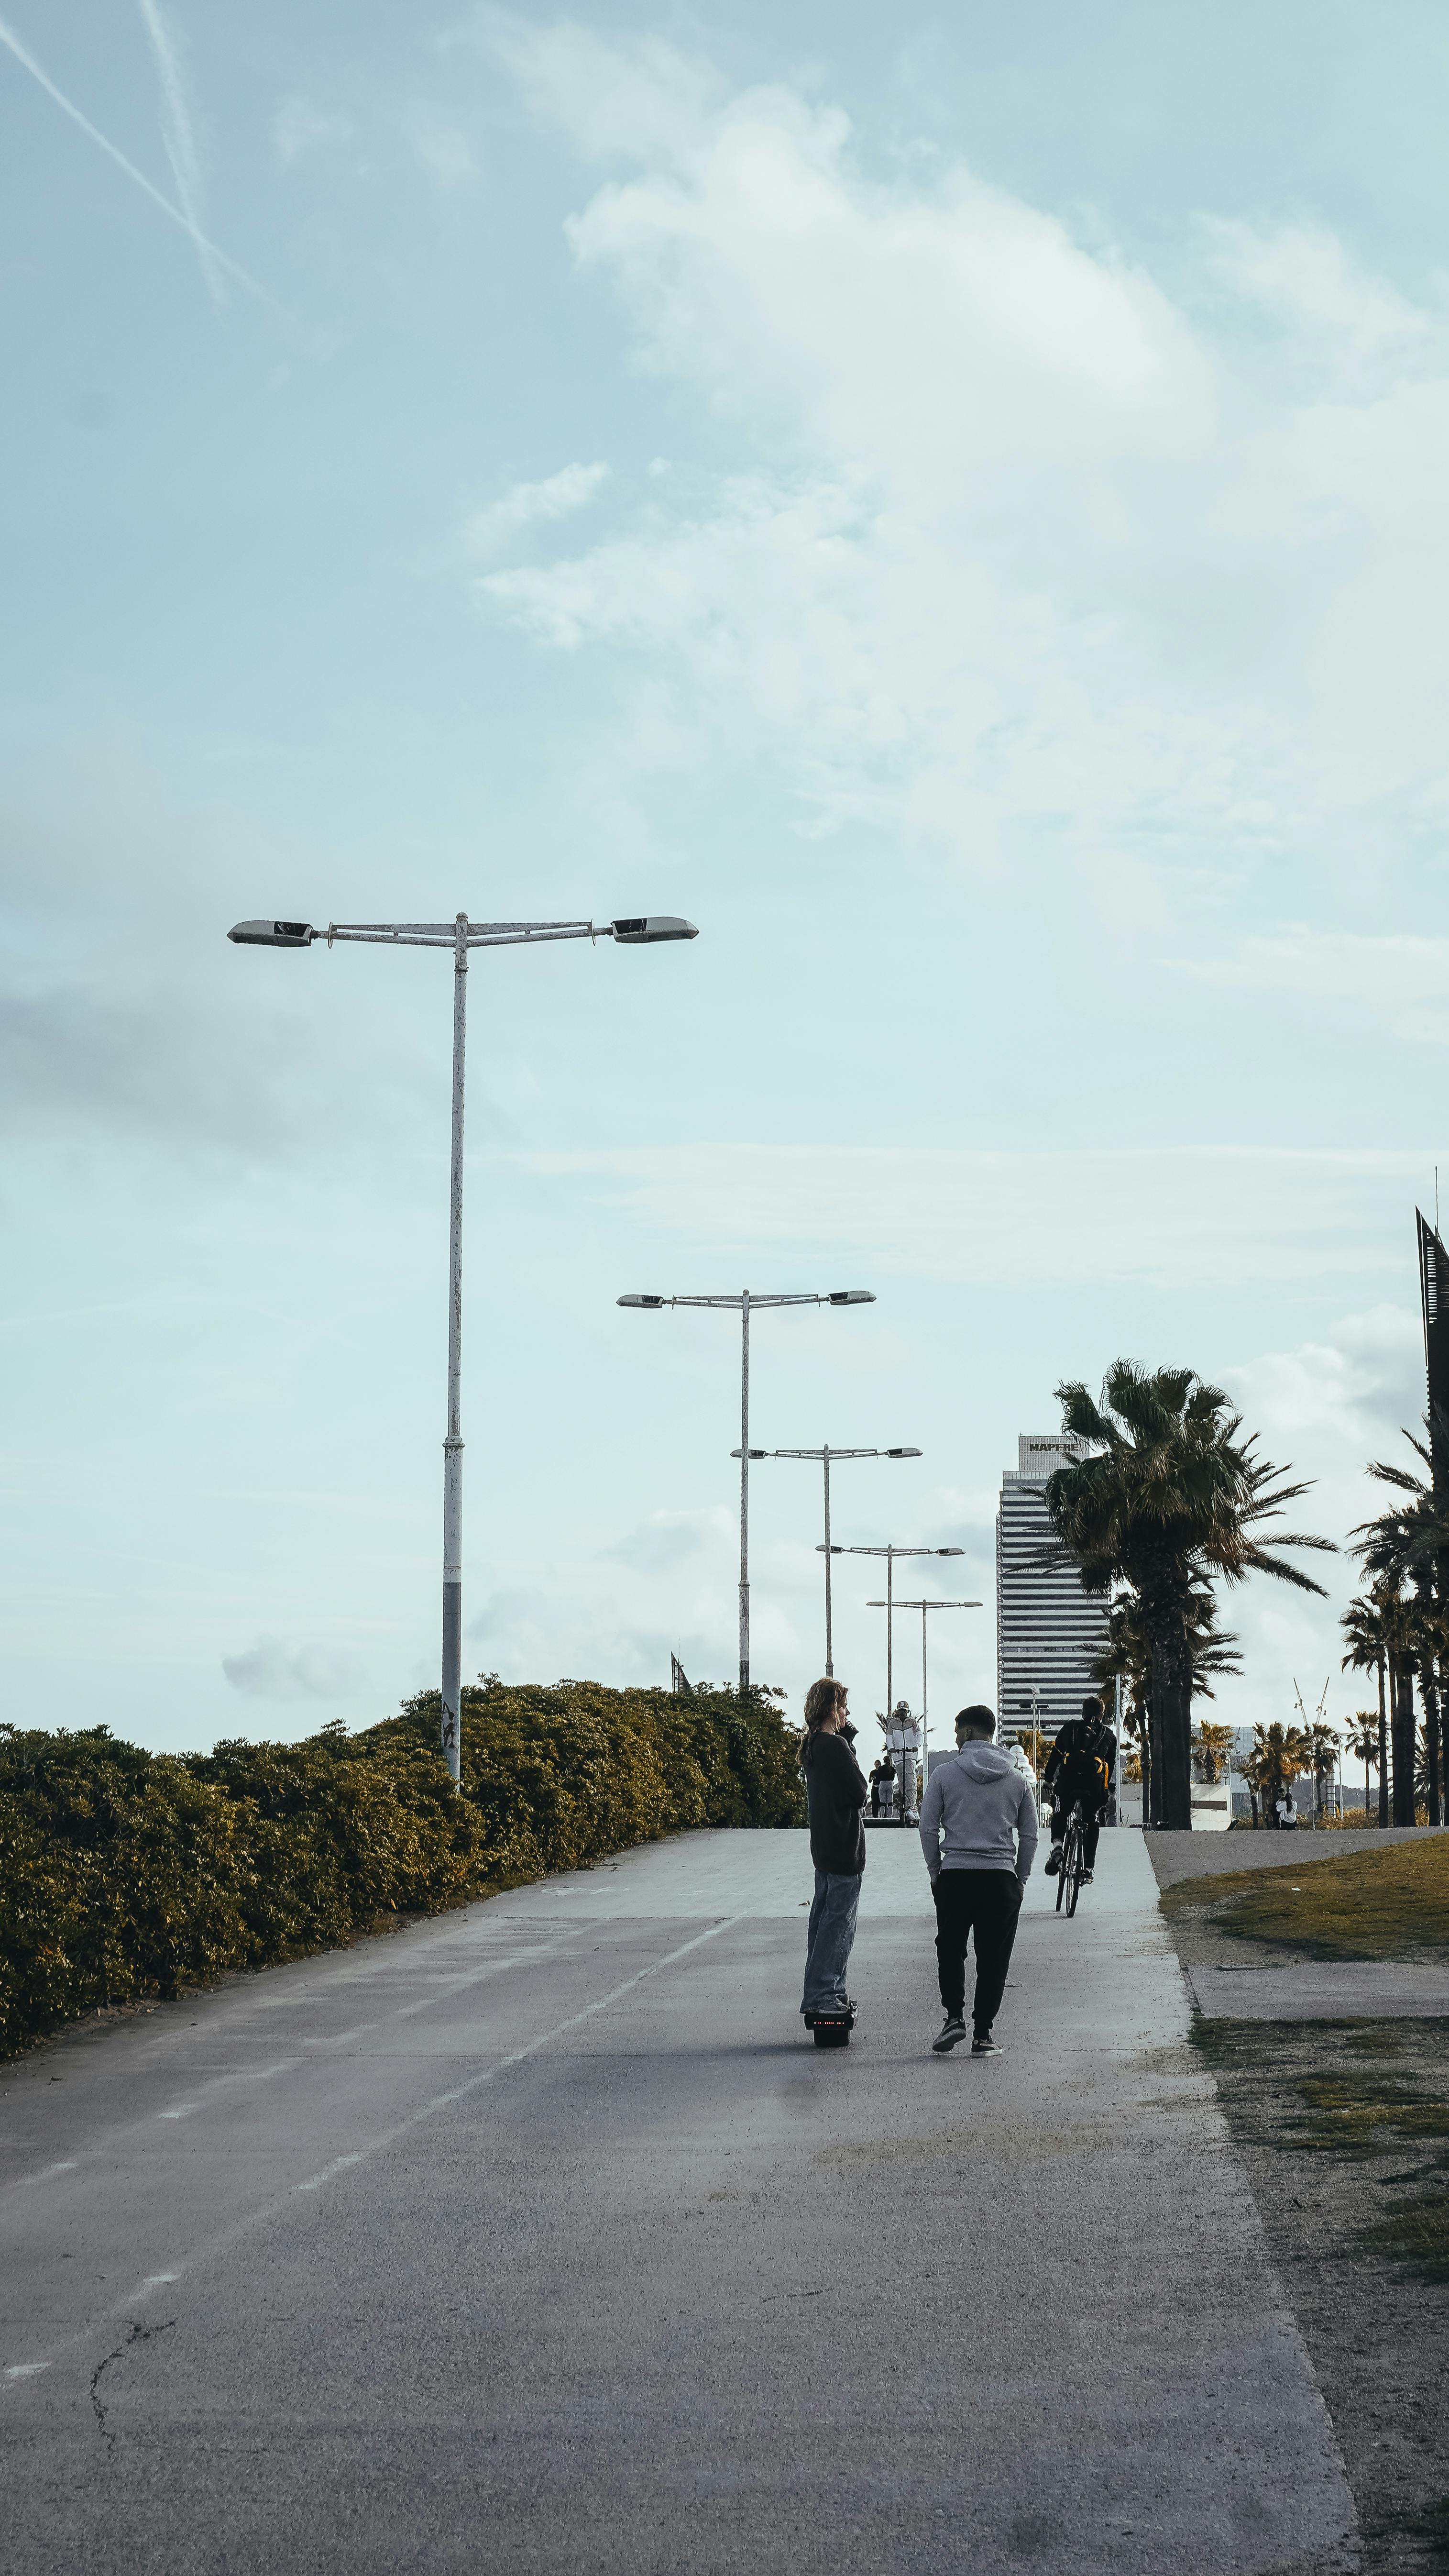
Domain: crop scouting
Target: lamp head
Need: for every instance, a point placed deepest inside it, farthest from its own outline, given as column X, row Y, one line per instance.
column 272, row 934
column 643, row 929
column 641, row 1301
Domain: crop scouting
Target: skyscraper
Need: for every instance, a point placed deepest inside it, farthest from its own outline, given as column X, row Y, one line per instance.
column 1047, row 1629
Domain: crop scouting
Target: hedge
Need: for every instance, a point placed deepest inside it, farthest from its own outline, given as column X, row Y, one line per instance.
column 126, row 1874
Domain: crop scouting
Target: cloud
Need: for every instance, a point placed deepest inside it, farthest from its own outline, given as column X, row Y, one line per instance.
column 1043, row 558
column 1395, row 981
column 146, row 1028
column 1304, row 278
column 526, row 504
column 1166, row 1215
column 442, row 147
column 298, row 128
column 274, row 1670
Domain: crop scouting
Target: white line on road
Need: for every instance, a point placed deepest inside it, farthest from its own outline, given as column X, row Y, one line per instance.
column 440, row 2102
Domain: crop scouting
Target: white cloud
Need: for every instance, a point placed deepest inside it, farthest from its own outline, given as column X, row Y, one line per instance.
column 443, row 148
column 1394, row 981
column 1305, row 279
column 274, row 1670
column 1040, row 554
column 1168, row 1215
column 526, row 504
column 298, row 127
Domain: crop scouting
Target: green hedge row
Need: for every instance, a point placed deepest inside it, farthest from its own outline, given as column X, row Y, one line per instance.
column 125, row 1874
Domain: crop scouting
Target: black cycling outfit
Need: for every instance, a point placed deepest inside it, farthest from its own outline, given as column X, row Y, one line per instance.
column 1079, row 1769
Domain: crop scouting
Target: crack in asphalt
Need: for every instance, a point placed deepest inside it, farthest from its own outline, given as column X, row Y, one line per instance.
column 136, row 2334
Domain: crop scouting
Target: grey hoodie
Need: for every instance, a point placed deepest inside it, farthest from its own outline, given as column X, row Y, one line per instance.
column 979, row 1799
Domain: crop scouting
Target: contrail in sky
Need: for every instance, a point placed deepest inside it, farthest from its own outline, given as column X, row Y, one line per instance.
column 12, row 42
column 180, row 140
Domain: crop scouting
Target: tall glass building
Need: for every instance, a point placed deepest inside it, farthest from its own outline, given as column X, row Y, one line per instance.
column 1047, row 1629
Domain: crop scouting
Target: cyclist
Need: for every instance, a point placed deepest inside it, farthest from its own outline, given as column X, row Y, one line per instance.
column 1079, row 1769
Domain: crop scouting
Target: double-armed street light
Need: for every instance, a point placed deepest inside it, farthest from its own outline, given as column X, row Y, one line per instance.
column 829, row 1457
column 747, row 1303
column 890, row 1554
column 923, row 1607
column 460, row 935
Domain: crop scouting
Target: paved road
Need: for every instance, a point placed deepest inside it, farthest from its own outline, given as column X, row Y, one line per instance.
column 537, row 2239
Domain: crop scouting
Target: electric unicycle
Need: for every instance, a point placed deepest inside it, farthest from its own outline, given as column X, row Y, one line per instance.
column 832, row 2030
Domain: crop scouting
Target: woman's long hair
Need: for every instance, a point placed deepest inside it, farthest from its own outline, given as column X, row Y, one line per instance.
column 821, row 1701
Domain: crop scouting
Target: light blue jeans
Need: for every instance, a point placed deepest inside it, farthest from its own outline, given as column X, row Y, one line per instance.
column 828, row 1939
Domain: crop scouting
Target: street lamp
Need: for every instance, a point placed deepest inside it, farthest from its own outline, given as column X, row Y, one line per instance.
column 923, row 1607
column 747, row 1302
column 639, row 931
column 828, row 1455
column 890, row 1554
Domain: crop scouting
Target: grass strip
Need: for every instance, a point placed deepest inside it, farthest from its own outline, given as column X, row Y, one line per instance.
column 1391, row 1904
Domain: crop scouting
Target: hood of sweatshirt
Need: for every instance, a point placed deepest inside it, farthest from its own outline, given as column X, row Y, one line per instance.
column 986, row 1762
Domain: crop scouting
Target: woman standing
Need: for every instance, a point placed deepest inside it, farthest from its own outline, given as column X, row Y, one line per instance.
column 836, row 1791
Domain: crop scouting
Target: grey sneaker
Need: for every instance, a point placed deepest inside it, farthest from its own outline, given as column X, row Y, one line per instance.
column 950, row 2035
column 983, row 2045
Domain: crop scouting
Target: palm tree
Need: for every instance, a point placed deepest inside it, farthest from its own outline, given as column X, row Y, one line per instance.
column 1322, row 1754
column 1126, row 1657
column 1408, row 1544
column 1210, row 1744
column 1280, row 1755
column 1366, row 1633
column 1173, row 1500
column 1364, row 1746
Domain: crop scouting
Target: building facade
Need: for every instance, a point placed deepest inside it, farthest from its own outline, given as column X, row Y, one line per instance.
column 1048, row 1631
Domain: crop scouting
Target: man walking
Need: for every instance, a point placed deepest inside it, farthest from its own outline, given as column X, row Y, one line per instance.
column 976, row 1804
column 835, row 1792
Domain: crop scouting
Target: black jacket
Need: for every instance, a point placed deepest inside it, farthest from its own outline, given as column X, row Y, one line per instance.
column 1080, row 1763
column 836, row 1790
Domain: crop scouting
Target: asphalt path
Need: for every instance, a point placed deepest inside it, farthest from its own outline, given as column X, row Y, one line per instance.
column 540, row 2238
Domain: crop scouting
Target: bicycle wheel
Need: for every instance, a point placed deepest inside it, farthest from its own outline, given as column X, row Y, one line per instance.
column 1073, row 1864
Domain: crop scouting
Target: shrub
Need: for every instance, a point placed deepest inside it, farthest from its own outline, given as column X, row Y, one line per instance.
column 125, row 1874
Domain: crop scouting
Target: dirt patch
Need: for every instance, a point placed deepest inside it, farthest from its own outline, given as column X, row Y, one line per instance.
column 1343, row 2128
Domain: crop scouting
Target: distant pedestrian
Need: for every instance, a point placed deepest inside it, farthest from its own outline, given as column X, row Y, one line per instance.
column 887, row 1786
column 976, row 1804
column 875, row 1789
column 835, row 1791
column 1286, row 1810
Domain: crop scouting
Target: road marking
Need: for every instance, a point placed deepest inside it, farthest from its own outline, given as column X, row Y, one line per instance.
column 315, row 2181
column 241, row 2227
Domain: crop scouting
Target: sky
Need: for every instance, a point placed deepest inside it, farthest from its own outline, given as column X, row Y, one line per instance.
column 951, row 502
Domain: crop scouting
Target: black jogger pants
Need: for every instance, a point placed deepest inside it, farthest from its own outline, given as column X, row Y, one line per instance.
column 986, row 1902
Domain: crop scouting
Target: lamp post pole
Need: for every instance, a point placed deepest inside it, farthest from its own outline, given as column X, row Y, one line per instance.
column 829, row 1457
column 451, row 1709
column 748, row 1302
column 460, row 935
column 890, row 1554
column 923, row 1607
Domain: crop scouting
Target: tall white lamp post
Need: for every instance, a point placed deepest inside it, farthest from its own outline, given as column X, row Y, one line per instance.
column 746, row 1303
column 890, row 1554
column 460, row 935
column 923, row 1607
column 829, row 1457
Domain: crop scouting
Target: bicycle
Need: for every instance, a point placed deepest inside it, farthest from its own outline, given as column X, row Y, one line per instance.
column 1074, row 1860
